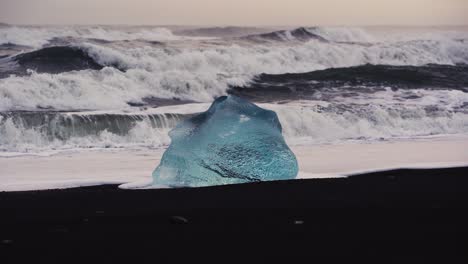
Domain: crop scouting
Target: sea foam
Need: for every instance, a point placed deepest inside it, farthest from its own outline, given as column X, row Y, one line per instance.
column 303, row 123
column 201, row 74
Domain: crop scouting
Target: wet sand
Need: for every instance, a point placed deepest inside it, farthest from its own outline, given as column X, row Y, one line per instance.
column 400, row 216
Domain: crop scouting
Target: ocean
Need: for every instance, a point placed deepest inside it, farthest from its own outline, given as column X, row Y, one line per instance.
column 115, row 89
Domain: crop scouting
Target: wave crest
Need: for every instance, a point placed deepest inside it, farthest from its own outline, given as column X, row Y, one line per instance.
column 203, row 71
column 40, row 36
column 302, row 123
column 325, row 34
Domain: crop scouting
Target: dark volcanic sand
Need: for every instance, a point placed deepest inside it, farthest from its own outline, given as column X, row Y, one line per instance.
column 401, row 216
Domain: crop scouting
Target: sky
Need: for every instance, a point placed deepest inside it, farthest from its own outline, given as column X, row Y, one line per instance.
column 236, row 12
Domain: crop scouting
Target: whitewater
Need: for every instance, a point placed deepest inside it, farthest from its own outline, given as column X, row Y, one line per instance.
column 114, row 92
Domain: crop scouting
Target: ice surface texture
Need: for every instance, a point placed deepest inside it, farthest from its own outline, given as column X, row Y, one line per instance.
column 235, row 141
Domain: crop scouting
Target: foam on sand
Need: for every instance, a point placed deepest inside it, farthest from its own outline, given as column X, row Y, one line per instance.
column 83, row 168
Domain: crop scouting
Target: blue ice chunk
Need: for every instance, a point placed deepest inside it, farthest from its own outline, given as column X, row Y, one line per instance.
column 235, row 141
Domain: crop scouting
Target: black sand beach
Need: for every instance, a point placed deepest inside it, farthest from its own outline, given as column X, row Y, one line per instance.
column 400, row 216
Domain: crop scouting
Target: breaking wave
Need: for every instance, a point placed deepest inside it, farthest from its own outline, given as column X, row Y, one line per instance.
column 343, row 34
column 335, row 123
column 350, row 82
column 50, row 60
column 299, row 34
column 326, row 84
column 308, row 122
column 325, row 34
column 33, row 131
column 40, row 36
column 201, row 74
column 220, row 32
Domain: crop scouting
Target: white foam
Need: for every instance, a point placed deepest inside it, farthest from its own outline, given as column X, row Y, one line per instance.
column 143, row 184
column 343, row 34
column 16, row 139
column 48, row 185
column 405, row 34
column 39, row 36
column 303, row 122
column 201, row 73
column 133, row 169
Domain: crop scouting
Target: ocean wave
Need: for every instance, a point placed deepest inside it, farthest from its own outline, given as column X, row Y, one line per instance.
column 33, row 131
column 343, row 34
column 9, row 49
column 353, row 81
column 201, row 73
column 53, row 60
column 220, row 32
column 6, row 46
column 40, row 36
column 426, row 76
column 325, row 34
column 366, row 122
column 298, row 34
column 315, row 123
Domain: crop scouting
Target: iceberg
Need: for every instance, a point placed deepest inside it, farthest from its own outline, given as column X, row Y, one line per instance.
column 234, row 141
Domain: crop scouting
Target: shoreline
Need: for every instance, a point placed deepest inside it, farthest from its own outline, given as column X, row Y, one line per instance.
column 85, row 168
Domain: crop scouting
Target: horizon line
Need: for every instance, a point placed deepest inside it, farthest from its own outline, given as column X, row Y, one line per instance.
column 232, row 25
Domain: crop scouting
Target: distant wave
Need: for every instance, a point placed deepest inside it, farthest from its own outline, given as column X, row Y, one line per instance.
column 220, row 31
column 9, row 49
column 10, row 46
column 359, row 79
column 343, row 34
column 299, row 34
column 53, row 60
column 39, row 36
column 199, row 71
column 324, row 34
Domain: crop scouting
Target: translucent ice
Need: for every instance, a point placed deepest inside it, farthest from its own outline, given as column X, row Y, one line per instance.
column 235, row 141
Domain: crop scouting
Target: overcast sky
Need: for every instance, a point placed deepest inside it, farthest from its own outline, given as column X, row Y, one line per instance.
column 236, row 12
